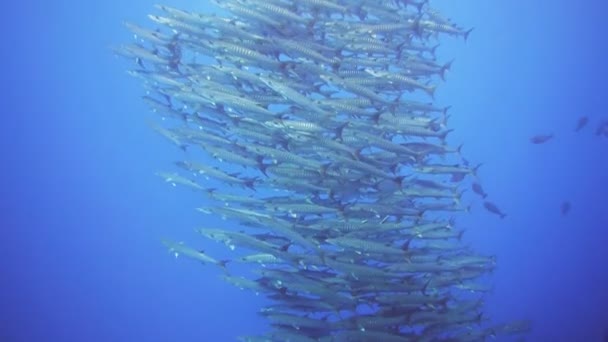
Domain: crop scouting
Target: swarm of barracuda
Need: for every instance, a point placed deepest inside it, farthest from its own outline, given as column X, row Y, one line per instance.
column 319, row 114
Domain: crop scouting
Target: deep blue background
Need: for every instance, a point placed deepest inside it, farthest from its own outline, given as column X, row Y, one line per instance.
column 82, row 212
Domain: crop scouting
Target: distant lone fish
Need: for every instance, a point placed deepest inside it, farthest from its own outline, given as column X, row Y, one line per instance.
column 582, row 122
column 491, row 207
column 540, row 139
column 479, row 190
column 565, row 208
column 602, row 128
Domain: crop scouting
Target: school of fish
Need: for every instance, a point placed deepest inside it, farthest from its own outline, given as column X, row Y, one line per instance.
column 311, row 126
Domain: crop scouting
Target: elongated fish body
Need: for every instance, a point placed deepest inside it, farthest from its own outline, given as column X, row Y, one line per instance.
column 478, row 189
column 565, row 208
column 155, row 37
column 447, row 169
column 180, row 249
column 294, row 96
column 491, row 207
column 445, row 28
column 541, row 138
column 216, row 173
column 174, row 179
column 581, row 123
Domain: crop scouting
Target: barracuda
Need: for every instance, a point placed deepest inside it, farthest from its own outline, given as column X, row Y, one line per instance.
column 314, row 103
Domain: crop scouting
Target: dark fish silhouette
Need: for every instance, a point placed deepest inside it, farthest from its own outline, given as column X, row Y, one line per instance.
column 457, row 177
column 479, row 190
column 491, row 207
column 541, row 138
column 565, row 208
column 582, row 122
column 602, row 128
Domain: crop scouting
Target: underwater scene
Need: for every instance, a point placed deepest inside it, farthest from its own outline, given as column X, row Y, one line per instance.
column 305, row 170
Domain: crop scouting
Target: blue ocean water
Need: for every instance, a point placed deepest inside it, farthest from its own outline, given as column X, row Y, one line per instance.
column 82, row 212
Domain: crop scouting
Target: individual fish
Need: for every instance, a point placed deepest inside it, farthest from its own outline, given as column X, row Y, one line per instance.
column 293, row 95
column 448, row 169
column 565, row 208
column 446, row 28
column 180, row 249
column 602, row 128
column 541, row 138
column 491, row 207
column 244, row 283
column 217, row 174
column 141, row 54
column 457, row 176
column 262, row 259
column 581, row 123
column 363, row 246
column 144, row 34
column 478, row 190
column 174, row 179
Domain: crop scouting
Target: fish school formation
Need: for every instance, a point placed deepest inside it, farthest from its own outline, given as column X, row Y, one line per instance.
column 332, row 160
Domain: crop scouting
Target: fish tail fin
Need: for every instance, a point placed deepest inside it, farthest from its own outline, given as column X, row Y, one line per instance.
column 283, row 66
column 357, row 153
column 446, row 67
column 335, row 66
column 322, row 256
column 420, row 5
column 434, row 50
column 398, row 180
column 400, row 50
column 431, row 90
column 443, row 135
column 476, row 168
column 376, row 117
column 467, row 32
column 417, row 27
column 340, row 129
column 426, row 287
column 451, row 222
column 263, row 167
column 311, row 24
column 445, row 110
column 324, row 168
column 357, row 11
column 250, row 183
column 406, row 244
column 459, row 149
